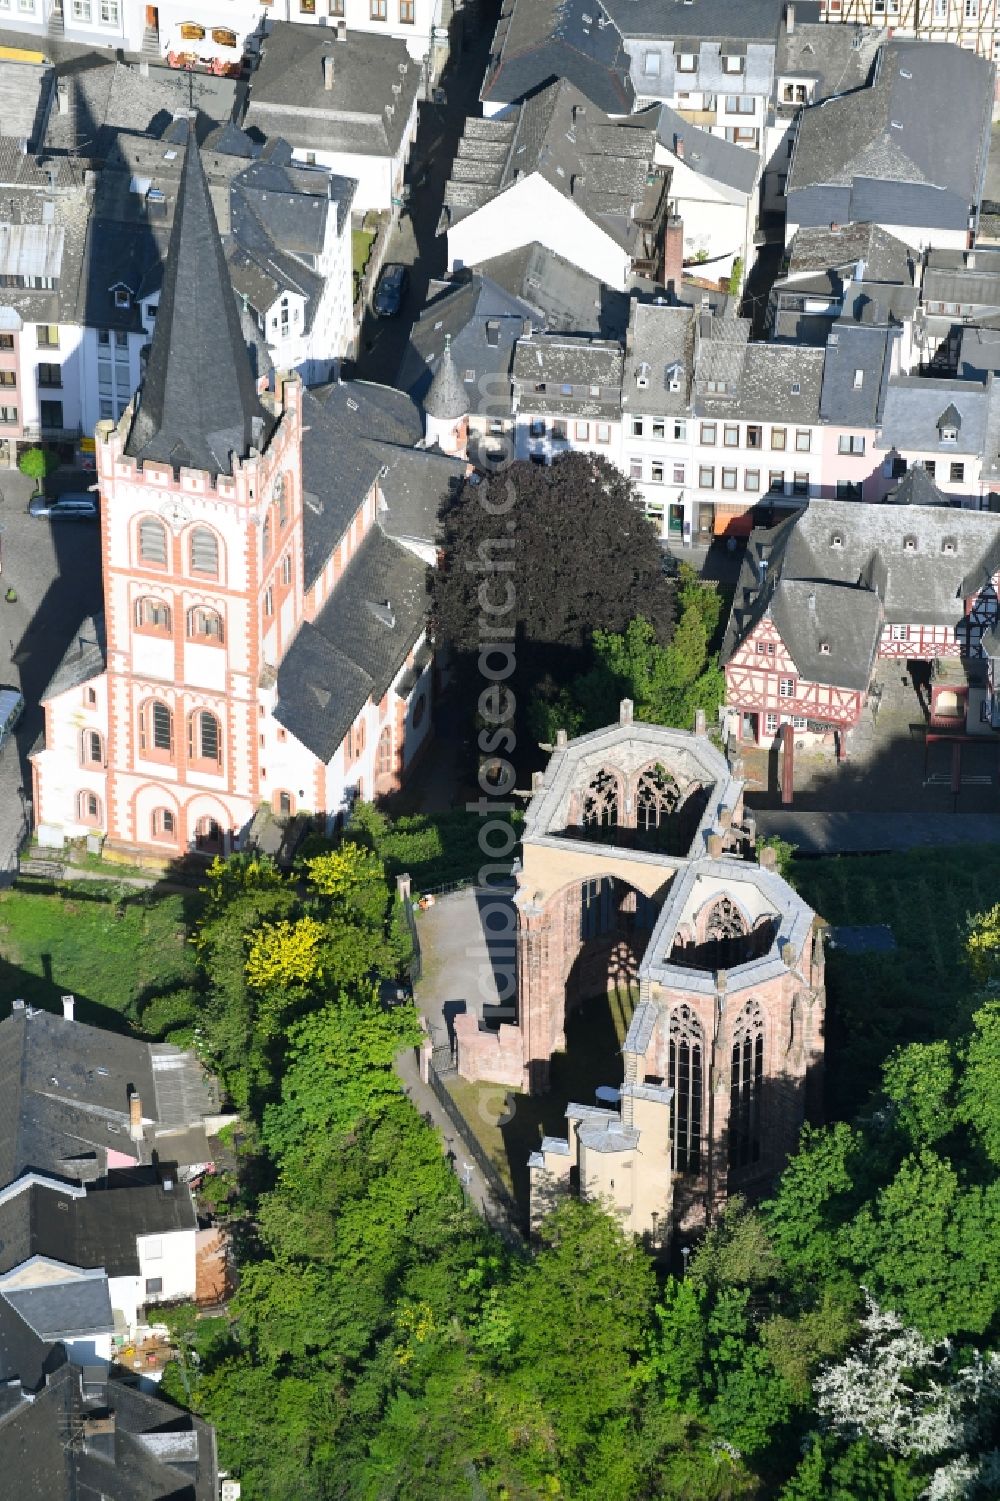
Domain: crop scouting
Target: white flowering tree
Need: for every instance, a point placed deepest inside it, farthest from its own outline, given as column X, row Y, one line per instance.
column 910, row 1395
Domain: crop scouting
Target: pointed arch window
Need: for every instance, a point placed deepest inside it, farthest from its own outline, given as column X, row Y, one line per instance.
column 686, row 1079
column 601, row 802
column 746, row 1085
column 726, row 932
column 384, row 759
column 656, row 797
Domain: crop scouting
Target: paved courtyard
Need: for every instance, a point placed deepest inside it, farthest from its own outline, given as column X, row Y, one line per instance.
column 468, row 964
column 56, row 571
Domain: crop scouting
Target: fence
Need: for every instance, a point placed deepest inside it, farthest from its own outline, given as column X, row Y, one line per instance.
column 512, row 1222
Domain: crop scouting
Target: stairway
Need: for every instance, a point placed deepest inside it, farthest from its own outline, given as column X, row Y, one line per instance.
column 56, row 28
column 150, row 52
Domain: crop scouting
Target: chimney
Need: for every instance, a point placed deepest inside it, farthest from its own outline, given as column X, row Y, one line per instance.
column 68, row 1003
column 561, row 738
column 699, row 721
column 625, row 711
column 715, row 846
column 341, row 31
column 135, row 1116
column 328, row 72
column 790, row 18
column 768, row 858
column 679, row 147
column 673, row 254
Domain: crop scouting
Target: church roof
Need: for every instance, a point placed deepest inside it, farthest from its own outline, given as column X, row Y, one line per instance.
column 197, row 406
column 446, row 396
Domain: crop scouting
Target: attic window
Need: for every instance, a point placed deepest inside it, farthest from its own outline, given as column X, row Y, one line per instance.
column 859, row 379
column 824, row 648
column 896, row 124
column 948, row 546
column 796, row 388
column 469, row 377
column 949, row 435
column 837, row 539
column 909, row 544
column 493, row 333
column 192, row 32
column 123, row 297
column 642, row 375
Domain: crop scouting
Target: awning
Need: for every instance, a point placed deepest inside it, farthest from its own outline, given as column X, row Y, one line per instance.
column 733, row 521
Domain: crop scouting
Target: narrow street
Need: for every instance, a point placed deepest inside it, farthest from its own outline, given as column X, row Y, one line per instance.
column 415, row 242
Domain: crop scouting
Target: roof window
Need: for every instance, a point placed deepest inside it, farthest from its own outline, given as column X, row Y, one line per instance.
column 837, row 539
column 909, row 544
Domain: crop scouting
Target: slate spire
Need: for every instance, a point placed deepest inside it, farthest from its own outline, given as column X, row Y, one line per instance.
column 198, row 404
column 446, row 397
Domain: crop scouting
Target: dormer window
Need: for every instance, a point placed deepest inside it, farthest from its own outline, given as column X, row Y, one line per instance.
column 949, row 435
column 837, row 539
column 732, row 62
column 909, row 544
column 123, row 297
column 948, row 547
column 859, row 379
column 642, row 375
column 686, row 62
column 824, row 648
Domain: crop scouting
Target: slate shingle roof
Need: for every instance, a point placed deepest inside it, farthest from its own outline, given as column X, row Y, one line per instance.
column 197, row 406
column 834, row 572
column 356, row 645
column 537, row 41
column 909, row 150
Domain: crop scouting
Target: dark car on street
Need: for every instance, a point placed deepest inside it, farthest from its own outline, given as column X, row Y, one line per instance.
column 64, row 507
column 390, row 291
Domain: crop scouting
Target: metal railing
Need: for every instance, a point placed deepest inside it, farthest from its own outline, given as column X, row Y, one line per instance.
column 512, row 1218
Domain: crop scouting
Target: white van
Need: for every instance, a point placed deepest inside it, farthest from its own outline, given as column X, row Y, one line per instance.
column 11, row 709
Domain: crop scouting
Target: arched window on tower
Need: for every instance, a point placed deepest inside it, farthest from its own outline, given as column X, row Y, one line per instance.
column 746, row 1085
column 687, row 1052
column 204, row 551
column 152, row 542
column 600, row 802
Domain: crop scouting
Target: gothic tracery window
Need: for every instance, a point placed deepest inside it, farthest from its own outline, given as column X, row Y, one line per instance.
column 687, row 1043
column 746, row 1083
column 656, row 797
column 600, row 801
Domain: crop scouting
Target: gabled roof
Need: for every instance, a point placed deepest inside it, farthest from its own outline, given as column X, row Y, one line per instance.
column 891, row 138
column 64, row 1101
column 917, row 410
column 375, row 85
column 717, row 20
column 84, row 658
column 855, row 375
column 605, row 168
column 197, row 406
column 833, row 572
column 356, row 645
column 537, row 41
column 563, row 298
column 717, row 160
column 127, row 1445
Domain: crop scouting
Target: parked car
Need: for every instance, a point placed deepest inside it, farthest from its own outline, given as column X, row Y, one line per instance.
column 11, row 709
column 390, row 291
column 64, row 507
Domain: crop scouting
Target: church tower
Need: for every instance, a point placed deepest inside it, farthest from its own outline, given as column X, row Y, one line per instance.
column 201, row 497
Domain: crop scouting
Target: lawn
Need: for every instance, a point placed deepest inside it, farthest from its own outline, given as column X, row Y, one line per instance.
column 877, row 1002
column 112, row 947
column 361, row 244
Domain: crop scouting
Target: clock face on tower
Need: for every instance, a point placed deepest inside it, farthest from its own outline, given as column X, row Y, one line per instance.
column 175, row 513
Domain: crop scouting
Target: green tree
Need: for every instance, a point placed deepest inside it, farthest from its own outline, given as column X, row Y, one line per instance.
column 978, row 1092
column 38, row 464
column 919, row 1080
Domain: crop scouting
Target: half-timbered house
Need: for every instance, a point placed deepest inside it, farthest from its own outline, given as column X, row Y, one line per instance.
column 825, row 594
